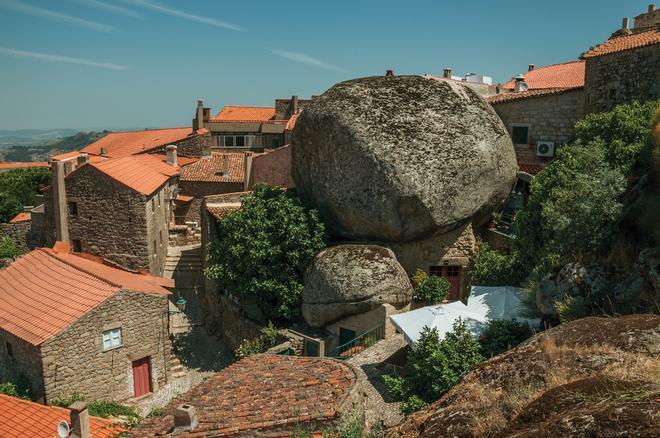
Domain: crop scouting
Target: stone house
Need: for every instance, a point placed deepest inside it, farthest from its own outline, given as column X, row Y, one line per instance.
column 623, row 69
column 118, row 209
column 71, row 324
column 250, row 128
column 263, row 395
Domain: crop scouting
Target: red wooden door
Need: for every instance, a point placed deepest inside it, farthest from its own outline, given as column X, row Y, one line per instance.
column 453, row 275
column 141, row 377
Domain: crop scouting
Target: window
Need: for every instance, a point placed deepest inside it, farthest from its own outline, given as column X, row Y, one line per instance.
column 237, row 141
column 76, row 245
column 312, row 348
column 435, row 270
column 227, row 141
column 276, row 142
column 73, row 208
column 520, row 134
column 10, row 349
column 111, row 339
column 240, row 141
column 453, row 271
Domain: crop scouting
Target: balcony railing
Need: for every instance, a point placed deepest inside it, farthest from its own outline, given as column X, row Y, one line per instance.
column 360, row 343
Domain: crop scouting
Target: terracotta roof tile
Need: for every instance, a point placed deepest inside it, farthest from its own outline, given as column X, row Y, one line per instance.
column 263, row 393
column 21, row 217
column 625, row 42
column 23, row 418
column 210, row 169
column 234, row 113
column 65, row 156
column 143, row 173
column 44, row 291
column 532, row 169
column 218, row 211
column 292, row 122
column 565, row 75
column 121, row 144
column 508, row 97
column 22, row 165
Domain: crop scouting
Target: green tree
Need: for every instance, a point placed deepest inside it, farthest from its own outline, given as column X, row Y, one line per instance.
column 432, row 289
column 10, row 206
column 435, row 366
column 502, row 335
column 572, row 209
column 623, row 134
column 9, row 249
column 492, row 268
column 263, row 249
column 19, row 188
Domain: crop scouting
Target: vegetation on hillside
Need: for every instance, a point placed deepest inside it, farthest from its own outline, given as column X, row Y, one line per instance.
column 19, row 188
column 42, row 152
column 263, row 249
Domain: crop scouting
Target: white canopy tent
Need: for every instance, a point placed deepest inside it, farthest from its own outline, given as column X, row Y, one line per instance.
column 484, row 304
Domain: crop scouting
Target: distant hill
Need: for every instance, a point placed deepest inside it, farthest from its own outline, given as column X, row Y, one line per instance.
column 32, row 137
column 41, row 152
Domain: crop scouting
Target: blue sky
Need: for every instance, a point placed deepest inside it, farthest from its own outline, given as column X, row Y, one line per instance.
column 144, row 63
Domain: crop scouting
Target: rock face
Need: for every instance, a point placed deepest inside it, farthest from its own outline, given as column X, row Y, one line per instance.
column 402, row 158
column 589, row 377
column 347, row 280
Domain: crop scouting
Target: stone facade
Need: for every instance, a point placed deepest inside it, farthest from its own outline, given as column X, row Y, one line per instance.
column 19, row 232
column 118, row 223
column 24, row 363
column 273, row 168
column 73, row 361
column 197, row 145
column 198, row 190
column 622, row 77
column 549, row 117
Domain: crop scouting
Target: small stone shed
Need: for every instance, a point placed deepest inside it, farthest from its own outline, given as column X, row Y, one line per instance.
column 263, row 395
column 70, row 324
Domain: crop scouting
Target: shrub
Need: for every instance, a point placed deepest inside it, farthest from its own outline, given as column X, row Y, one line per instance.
column 434, row 366
column 432, row 290
column 9, row 249
column 106, row 409
column 418, row 277
column 13, row 390
column 492, row 268
column 19, row 188
column 623, row 133
column 259, row 345
column 65, row 402
column 502, row 335
column 263, row 249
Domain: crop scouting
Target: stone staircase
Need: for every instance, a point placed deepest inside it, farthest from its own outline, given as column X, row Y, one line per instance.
column 184, row 264
column 176, row 369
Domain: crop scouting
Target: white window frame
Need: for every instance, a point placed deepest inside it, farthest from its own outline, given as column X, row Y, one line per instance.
column 249, row 140
column 112, row 339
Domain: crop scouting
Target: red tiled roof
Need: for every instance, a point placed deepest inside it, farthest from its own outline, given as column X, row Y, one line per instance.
column 508, row 97
column 210, row 169
column 233, row 113
column 262, row 394
column 21, row 217
column 22, row 165
column 183, row 199
column 218, row 212
column 625, row 42
column 121, row 144
column 292, row 122
column 143, row 173
column 65, row 156
column 565, row 75
column 45, row 291
column 532, row 169
column 23, row 418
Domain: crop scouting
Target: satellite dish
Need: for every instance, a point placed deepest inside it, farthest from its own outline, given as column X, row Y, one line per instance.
column 63, row 429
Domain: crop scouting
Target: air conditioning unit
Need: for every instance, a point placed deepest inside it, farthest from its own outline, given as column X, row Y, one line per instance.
column 545, row 149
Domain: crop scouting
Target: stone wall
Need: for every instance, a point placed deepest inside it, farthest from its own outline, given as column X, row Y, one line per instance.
column 74, row 360
column 24, row 363
column 228, row 320
column 273, row 168
column 18, row 232
column 498, row 241
column 198, row 190
column 622, row 77
column 550, row 118
column 158, row 215
column 197, row 145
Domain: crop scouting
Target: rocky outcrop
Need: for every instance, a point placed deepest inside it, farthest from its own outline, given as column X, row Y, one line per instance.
column 402, row 158
column 597, row 288
column 590, row 377
column 347, row 280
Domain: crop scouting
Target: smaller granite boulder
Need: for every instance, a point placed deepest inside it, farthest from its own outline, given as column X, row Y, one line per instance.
column 348, row 280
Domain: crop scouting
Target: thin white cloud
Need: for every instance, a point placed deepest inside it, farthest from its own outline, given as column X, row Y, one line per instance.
column 110, row 8
column 55, row 16
column 305, row 59
column 185, row 15
column 60, row 59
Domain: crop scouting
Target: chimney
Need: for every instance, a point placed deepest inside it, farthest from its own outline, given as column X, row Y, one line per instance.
column 171, row 154
column 82, row 159
column 389, row 73
column 103, row 150
column 294, row 104
column 79, row 420
column 206, row 114
column 185, row 418
column 247, row 170
column 447, row 73
column 59, row 202
column 520, row 84
column 530, row 67
column 625, row 23
column 651, row 8
column 225, row 165
column 198, row 121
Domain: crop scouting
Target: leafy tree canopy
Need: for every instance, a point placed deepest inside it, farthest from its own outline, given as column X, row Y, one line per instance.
column 432, row 289
column 492, row 268
column 263, row 249
column 19, row 188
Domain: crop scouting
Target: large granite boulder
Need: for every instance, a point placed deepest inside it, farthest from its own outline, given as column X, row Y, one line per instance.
column 348, row 280
column 402, row 158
